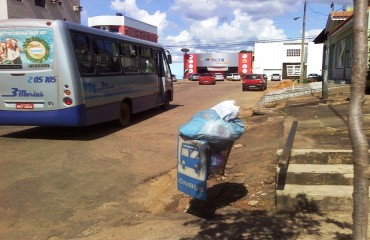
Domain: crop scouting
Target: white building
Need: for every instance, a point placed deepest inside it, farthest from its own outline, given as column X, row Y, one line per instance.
column 42, row 9
column 125, row 26
column 285, row 58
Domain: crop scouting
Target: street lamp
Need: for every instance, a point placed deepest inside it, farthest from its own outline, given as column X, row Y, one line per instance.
column 184, row 50
column 303, row 40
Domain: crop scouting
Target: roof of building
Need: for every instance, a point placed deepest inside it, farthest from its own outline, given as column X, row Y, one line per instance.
column 336, row 18
column 334, row 22
column 343, row 15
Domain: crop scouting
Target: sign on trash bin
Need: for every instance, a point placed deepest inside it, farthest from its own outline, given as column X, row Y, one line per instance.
column 192, row 167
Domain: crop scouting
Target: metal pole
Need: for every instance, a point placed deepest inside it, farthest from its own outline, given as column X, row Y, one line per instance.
column 303, row 42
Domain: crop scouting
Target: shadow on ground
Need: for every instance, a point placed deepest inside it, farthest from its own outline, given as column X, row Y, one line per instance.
column 218, row 196
column 217, row 221
column 267, row 225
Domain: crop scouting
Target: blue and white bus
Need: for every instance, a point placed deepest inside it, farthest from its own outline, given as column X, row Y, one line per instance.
column 58, row 73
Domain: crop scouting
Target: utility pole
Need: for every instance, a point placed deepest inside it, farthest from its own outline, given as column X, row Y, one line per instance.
column 303, row 43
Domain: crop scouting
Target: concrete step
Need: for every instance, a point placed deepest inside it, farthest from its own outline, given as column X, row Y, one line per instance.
column 319, row 156
column 314, row 198
column 315, row 179
column 320, row 174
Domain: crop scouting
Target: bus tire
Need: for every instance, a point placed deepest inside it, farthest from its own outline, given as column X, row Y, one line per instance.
column 124, row 115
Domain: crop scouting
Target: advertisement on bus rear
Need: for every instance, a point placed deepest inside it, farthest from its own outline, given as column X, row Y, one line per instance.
column 26, row 48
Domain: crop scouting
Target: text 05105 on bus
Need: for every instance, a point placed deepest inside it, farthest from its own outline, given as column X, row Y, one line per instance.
column 57, row 73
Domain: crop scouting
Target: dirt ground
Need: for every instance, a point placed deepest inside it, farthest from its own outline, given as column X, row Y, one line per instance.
column 240, row 204
column 248, row 187
column 249, row 179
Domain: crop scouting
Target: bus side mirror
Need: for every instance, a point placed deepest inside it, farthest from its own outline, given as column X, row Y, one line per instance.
column 169, row 59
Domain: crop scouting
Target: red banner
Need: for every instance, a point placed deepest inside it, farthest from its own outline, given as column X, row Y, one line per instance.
column 245, row 63
column 190, row 64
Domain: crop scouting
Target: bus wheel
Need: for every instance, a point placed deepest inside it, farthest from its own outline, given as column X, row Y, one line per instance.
column 124, row 115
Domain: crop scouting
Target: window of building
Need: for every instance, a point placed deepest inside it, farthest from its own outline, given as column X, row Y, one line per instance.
column 340, row 53
column 293, row 52
column 40, row 3
column 293, row 70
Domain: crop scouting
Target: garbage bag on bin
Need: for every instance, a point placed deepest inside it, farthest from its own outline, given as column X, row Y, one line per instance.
column 197, row 122
column 208, row 125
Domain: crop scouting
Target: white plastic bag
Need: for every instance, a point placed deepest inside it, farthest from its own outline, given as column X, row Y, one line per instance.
column 227, row 110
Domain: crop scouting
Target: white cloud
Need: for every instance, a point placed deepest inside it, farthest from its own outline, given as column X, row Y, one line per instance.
column 214, row 25
column 313, row 33
column 203, row 9
column 214, row 34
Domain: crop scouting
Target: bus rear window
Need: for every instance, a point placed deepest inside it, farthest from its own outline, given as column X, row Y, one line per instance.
column 26, row 48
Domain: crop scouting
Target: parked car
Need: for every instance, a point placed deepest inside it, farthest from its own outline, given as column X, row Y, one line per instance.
column 229, row 76
column 254, row 81
column 235, row 77
column 207, row 78
column 275, row 77
column 194, row 76
column 314, row 76
column 219, row 77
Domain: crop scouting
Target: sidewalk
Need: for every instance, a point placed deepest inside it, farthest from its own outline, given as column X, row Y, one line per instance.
column 322, row 125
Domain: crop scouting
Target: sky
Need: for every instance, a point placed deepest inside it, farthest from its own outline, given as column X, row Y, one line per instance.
column 206, row 26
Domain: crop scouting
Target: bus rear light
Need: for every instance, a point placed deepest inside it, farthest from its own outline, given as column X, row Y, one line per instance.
column 50, row 104
column 67, row 92
column 67, row 101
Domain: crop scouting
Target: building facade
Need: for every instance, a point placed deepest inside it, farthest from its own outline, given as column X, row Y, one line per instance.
column 285, row 58
column 218, row 63
column 42, row 9
column 337, row 38
column 125, row 26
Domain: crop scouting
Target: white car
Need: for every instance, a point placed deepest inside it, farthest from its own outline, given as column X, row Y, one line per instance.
column 219, row 77
column 229, row 76
column 235, row 77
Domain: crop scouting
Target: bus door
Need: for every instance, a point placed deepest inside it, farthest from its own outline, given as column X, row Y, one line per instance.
column 164, row 77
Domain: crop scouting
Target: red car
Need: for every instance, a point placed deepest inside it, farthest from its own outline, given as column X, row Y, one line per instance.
column 254, row 81
column 207, row 78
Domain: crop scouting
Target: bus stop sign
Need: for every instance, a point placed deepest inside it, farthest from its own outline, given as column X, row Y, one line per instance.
column 192, row 167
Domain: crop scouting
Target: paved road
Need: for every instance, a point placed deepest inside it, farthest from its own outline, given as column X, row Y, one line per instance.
column 61, row 181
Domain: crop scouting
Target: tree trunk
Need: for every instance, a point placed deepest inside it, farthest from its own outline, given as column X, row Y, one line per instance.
column 355, row 122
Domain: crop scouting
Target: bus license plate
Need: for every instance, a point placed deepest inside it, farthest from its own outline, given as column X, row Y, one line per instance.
column 24, row 106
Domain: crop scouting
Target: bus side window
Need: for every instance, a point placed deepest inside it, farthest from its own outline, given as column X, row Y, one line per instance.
column 83, row 53
column 115, row 58
column 106, row 56
column 129, row 58
column 147, row 60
